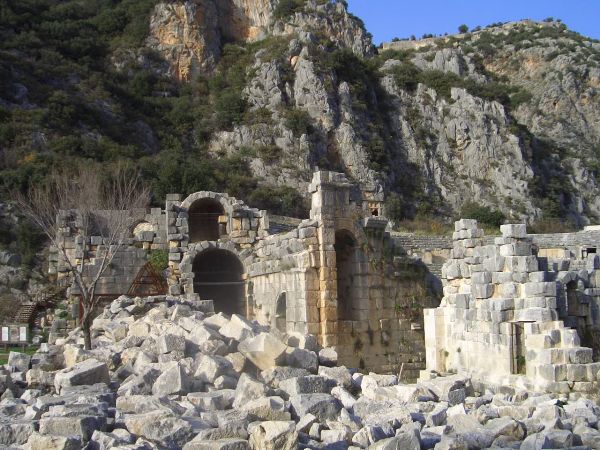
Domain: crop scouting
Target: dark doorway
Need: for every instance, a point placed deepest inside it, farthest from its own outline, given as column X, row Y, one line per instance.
column 281, row 313
column 219, row 276
column 519, row 363
column 204, row 220
column 572, row 300
column 347, row 262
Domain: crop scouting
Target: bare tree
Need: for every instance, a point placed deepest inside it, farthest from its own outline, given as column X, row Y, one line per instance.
column 102, row 206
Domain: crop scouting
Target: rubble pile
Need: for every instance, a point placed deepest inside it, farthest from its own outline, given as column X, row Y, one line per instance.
column 166, row 373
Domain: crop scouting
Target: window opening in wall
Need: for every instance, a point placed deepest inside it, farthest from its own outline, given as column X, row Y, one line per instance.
column 348, row 274
column 281, row 313
column 219, row 276
column 203, row 220
column 375, row 212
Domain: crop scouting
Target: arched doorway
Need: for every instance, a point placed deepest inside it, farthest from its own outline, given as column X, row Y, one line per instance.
column 219, row 276
column 348, row 274
column 204, row 220
column 281, row 312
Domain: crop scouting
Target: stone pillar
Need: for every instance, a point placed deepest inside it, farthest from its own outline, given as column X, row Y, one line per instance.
column 330, row 201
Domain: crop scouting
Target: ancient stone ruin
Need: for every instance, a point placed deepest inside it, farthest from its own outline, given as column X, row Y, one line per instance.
column 276, row 333
column 502, row 318
column 338, row 275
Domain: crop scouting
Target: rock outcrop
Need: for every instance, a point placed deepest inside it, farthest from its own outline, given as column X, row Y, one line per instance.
column 162, row 391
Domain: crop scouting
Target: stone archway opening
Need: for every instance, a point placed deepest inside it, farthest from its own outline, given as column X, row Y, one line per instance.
column 203, row 220
column 348, row 275
column 219, row 276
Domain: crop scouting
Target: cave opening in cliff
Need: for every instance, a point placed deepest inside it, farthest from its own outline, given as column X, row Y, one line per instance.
column 219, row 276
column 204, row 220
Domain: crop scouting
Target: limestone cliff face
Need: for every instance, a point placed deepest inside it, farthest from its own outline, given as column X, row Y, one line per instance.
column 190, row 34
column 187, row 36
column 507, row 117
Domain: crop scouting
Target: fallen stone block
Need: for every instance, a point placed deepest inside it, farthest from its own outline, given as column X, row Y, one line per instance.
column 72, row 426
column 211, row 401
column 168, row 343
column 209, row 368
column 237, row 328
column 40, row 442
column 267, row 408
column 173, row 381
column 312, row 384
column 274, row 435
column 20, row 361
column 323, row 406
column 328, row 357
column 265, row 351
column 16, row 432
column 156, row 426
column 87, row 372
column 248, row 389
column 220, row 444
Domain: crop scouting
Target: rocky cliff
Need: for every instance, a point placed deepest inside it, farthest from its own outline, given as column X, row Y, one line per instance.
column 252, row 96
column 505, row 117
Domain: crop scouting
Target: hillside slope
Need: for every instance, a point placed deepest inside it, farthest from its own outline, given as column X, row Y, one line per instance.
column 252, row 96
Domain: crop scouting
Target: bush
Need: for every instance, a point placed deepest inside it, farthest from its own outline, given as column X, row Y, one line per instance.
column 159, row 259
column 483, row 214
column 463, row 28
column 298, row 121
column 285, row 8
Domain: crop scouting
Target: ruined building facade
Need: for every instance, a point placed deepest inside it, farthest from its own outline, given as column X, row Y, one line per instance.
column 337, row 275
column 517, row 307
column 515, row 315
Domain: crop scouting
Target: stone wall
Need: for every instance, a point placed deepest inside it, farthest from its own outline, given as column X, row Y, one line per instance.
column 148, row 233
column 501, row 319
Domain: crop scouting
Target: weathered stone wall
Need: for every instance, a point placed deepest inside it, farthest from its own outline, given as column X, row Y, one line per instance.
column 500, row 318
column 148, row 233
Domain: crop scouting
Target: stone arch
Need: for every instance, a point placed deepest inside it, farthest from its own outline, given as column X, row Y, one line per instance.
column 281, row 312
column 203, row 220
column 140, row 226
column 349, row 276
column 219, row 275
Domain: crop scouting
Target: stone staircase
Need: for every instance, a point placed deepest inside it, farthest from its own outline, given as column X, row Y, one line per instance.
column 555, row 354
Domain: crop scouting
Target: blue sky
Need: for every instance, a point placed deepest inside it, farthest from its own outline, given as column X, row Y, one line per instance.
column 386, row 19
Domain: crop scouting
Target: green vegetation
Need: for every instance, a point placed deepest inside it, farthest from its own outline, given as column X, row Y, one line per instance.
column 285, row 8
column 83, row 109
column 463, row 28
column 159, row 260
column 483, row 214
column 29, row 350
column 23, row 239
column 408, row 76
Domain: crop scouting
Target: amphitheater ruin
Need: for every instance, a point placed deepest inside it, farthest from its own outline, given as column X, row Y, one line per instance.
column 512, row 311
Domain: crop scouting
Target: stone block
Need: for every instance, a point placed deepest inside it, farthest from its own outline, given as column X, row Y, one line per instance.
column 264, row 351
column 86, row 372
column 518, row 231
column 274, row 435
column 482, row 290
column 580, row 355
column 465, row 224
column 323, row 406
column 481, row 278
column 533, row 289
column 577, row 372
